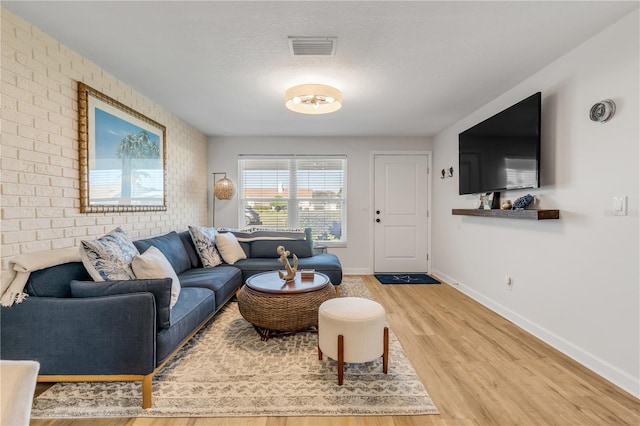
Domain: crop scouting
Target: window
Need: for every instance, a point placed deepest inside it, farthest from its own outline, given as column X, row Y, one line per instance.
column 296, row 191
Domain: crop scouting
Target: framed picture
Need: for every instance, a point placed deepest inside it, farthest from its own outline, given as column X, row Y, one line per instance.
column 122, row 156
column 489, row 200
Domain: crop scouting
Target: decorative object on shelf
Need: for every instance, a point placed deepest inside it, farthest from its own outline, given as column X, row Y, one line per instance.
column 523, row 202
column 223, row 189
column 489, row 200
column 290, row 271
column 506, row 205
column 602, row 111
column 313, row 99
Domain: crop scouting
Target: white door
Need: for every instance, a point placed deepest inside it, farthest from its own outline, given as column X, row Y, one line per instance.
column 401, row 213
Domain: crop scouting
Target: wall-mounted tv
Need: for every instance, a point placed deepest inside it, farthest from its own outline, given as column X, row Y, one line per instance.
column 503, row 151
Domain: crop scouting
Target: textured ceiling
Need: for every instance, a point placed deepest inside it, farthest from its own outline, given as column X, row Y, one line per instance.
column 405, row 68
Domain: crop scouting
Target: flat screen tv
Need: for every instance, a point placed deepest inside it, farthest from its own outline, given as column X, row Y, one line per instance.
column 503, row 151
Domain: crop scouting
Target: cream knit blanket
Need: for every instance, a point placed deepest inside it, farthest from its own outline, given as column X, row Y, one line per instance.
column 21, row 266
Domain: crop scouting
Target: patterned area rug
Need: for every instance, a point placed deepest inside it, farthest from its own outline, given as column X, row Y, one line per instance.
column 227, row 371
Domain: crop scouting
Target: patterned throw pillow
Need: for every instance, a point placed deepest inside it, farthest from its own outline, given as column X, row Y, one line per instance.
column 109, row 257
column 205, row 241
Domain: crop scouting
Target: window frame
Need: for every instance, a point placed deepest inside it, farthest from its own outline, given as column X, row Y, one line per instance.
column 293, row 201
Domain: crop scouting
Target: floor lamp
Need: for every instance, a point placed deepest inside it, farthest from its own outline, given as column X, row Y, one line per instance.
column 223, row 189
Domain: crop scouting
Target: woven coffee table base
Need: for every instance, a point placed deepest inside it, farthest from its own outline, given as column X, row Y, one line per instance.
column 282, row 312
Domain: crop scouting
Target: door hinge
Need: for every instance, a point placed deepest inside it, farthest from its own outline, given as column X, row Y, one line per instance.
column 427, row 256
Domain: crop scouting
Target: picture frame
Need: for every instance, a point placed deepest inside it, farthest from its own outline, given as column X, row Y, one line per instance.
column 489, row 200
column 122, row 156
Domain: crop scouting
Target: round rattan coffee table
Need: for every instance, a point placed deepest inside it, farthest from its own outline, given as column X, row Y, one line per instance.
column 273, row 305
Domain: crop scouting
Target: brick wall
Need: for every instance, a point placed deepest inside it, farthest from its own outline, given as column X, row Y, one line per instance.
column 39, row 149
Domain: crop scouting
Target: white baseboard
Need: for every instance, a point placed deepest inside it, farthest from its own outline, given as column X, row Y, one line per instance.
column 357, row 271
column 578, row 354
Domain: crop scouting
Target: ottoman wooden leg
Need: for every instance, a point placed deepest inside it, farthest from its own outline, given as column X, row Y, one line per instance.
column 385, row 353
column 319, row 354
column 340, row 359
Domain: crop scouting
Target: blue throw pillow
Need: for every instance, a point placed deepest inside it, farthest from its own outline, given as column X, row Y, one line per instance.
column 160, row 288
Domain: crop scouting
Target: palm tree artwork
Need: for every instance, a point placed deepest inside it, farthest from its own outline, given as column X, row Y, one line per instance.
column 134, row 147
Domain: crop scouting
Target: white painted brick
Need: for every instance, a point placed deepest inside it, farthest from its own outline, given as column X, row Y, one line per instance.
column 49, row 212
column 18, row 213
column 17, row 189
column 50, row 234
column 75, row 232
column 39, row 88
column 33, row 156
column 59, row 243
column 62, row 222
column 9, row 200
column 18, row 237
column 34, row 202
column 35, row 246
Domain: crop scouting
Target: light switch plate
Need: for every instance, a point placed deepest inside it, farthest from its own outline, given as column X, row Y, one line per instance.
column 620, row 205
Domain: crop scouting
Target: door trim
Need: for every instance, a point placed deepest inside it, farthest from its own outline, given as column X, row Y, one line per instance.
column 372, row 189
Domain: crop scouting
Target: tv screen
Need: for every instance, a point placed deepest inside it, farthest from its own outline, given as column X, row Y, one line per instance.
column 503, row 151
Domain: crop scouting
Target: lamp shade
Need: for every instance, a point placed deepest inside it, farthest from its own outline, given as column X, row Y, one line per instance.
column 224, row 189
column 313, row 99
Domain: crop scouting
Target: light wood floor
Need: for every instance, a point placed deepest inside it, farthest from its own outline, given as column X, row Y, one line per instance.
column 479, row 369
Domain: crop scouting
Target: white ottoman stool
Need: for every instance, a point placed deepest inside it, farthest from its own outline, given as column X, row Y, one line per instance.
column 352, row 329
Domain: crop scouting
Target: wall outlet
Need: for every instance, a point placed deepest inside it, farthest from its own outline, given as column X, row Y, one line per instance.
column 620, row 205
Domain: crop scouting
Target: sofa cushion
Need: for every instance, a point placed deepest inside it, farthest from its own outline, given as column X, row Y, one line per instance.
column 204, row 239
column 109, row 257
column 153, row 264
column 267, row 248
column 185, row 236
column 229, row 248
column 224, row 280
column 171, row 246
column 256, row 234
column 194, row 306
column 54, row 281
column 160, row 288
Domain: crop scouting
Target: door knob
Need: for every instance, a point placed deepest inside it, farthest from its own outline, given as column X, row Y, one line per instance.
column 378, row 220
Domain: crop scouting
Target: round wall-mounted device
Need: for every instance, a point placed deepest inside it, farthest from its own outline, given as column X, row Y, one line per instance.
column 602, row 111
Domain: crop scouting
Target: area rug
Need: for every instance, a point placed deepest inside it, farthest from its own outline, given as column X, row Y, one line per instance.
column 406, row 279
column 227, row 371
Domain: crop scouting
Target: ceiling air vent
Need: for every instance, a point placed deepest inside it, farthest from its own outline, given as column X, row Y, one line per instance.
column 304, row 46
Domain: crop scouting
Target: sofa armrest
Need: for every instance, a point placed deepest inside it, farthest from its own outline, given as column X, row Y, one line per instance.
column 86, row 336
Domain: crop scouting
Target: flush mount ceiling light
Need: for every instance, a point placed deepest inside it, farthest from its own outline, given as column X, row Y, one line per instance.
column 313, row 99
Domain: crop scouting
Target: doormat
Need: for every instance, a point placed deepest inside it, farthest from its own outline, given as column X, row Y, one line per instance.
column 406, row 279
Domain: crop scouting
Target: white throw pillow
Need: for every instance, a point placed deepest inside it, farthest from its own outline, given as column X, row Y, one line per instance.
column 109, row 257
column 204, row 239
column 153, row 264
column 229, row 248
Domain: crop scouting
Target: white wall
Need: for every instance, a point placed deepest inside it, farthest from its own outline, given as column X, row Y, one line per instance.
column 356, row 257
column 40, row 192
column 575, row 280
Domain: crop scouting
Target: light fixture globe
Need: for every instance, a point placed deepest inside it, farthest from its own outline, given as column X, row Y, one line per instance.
column 224, row 189
column 313, row 99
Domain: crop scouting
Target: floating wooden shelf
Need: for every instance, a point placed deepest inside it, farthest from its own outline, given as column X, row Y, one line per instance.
column 514, row 214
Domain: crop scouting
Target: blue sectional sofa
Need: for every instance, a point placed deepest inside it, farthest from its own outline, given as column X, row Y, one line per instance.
column 128, row 334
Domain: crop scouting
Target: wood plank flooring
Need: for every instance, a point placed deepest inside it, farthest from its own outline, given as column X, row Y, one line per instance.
column 479, row 369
